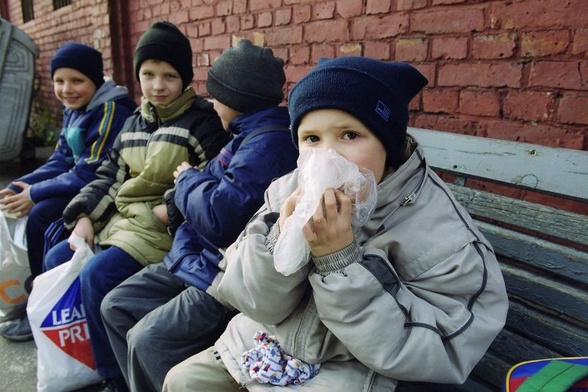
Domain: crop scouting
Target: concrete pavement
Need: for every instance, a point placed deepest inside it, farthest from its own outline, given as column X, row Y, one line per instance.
column 18, row 360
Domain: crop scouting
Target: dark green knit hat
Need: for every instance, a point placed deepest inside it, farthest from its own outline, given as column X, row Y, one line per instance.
column 247, row 78
column 164, row 41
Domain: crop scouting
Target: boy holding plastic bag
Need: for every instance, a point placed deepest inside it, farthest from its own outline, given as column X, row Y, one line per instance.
column 414, row 293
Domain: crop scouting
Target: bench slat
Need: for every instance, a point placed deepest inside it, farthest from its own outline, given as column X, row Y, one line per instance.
column 558, row 335
column 547, row 169
column 552, row 259
column 562, row 300
column 548, row 220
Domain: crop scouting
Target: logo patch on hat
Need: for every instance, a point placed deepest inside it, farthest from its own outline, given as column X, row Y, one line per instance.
column 66, row 326
column 383, row 111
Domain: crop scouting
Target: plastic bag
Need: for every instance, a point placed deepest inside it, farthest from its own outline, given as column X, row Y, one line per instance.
column 14, row 267
column 320, row 169
column 58, row 321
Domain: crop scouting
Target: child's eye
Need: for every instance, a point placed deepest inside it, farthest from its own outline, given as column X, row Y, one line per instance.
column 147, row 74
column 171, row 76
column 311, row 139
column 349, row 135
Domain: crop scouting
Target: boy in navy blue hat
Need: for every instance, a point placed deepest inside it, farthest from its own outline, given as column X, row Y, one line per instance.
column 95, row 110
column 414, row 293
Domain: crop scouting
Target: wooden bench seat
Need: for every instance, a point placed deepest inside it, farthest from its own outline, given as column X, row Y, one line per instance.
column 542, row 247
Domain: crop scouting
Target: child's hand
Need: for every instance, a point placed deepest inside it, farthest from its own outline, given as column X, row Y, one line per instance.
column 85, row 230
column 17, row 203
column 288, row 207
column 329, row 229
column 160, row 211
column 182, row 167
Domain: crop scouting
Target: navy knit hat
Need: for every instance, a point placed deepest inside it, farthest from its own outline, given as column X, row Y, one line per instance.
column 247, row 78
column 376, row 92
column 164, row 41
column 80, row 57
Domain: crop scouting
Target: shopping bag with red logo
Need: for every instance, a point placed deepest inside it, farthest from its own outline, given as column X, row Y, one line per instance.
column 14, row 267
column 58, row 322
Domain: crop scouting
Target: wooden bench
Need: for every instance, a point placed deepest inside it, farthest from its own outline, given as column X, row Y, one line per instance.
column 543, row 250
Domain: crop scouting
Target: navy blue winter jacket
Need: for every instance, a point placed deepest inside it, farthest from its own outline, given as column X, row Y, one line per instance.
column 218, row 201
column 86, row 137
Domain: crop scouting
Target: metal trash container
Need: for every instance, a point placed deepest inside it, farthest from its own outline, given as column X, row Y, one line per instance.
column 17, row 75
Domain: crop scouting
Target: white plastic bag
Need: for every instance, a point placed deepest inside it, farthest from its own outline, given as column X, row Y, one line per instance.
column 320, row 169
column 56, row 314
column 14, row 267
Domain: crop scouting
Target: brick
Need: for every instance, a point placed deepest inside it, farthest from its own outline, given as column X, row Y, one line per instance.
column 301, row 13
column 528, row 105
column 573, row 108
column 494, row 46
column 377, row 7
column 349, row 8
column 260, row 5
column 411, row 49
column 233, row 24
column 476, row 102
column 264, row 19
column 247, row 22
column 580, row 42
column 377, row 50
column 218, row 26
column 481, row 75
column 201, row 12
column 224, row 8
column 459, row 20
column 220, row 42
column 299, row 54
column 449, row 48
column 555, row 74
column 283, row 16
column 350, row 49
column 544, row 43
column 404, row 5
column 440, row 100
column 326, row 31
column 537, row 15
column 324, row 10
column 322, row 50
column 379, row 27
column 285, row 36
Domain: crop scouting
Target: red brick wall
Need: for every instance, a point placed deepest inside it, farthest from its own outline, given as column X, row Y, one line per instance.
column 513, row 69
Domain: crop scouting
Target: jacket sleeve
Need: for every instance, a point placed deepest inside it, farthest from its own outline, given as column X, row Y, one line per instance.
column 218, row 207
column 416, row 331
column 96, row 200
column 104, row 124
column 250, row 282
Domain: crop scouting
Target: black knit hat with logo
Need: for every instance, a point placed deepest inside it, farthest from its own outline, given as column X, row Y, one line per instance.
column 247, row 78
column 375, row 92
column 80, row 57
column 164, row 41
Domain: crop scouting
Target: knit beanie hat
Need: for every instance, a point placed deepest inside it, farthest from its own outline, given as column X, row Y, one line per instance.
column 80, row 57
column 247, row 78
column 164, row 41
column 376, row 92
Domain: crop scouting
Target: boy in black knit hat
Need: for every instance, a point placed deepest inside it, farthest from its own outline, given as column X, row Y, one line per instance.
column 124, row 210
column 169, row 311
column 414, row 292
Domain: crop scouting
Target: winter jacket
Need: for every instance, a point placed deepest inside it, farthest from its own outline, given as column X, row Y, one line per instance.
column 418, row 296
column 218, row 201
column 138, row 173
column 86, row 137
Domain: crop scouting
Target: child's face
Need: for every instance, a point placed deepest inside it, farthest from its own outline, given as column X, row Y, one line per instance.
column 73, row 89
column 161, row 84
column 344, row 133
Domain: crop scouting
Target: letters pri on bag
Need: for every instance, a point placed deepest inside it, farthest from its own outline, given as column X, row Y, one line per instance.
column 66, row 326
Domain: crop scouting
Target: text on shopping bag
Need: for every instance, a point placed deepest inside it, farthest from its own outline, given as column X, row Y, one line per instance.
column 66, row 326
